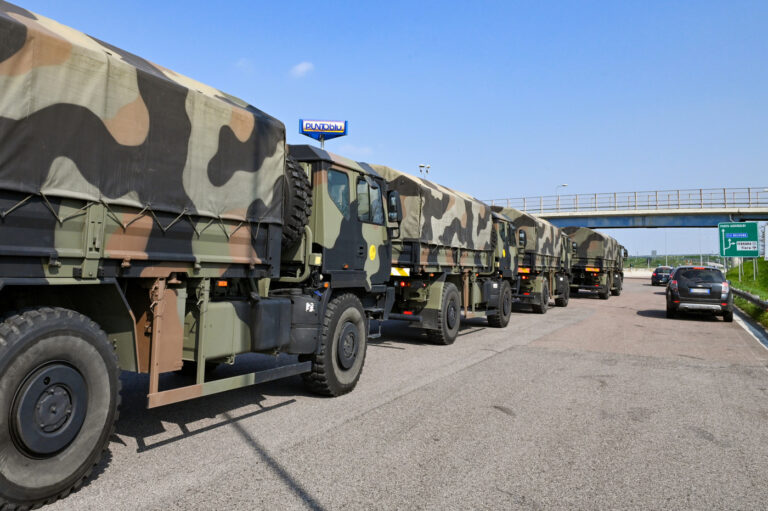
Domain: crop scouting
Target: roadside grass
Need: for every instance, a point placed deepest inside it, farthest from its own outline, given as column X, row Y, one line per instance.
column 757, row 287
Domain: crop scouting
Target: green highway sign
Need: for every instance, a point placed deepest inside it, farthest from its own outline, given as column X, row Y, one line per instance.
column 738, row 239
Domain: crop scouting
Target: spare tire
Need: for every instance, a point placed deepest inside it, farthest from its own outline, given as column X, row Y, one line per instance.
column 297, row 205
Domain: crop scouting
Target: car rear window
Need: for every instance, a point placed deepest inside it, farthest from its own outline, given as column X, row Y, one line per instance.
column 700, row 275
column 663, row 270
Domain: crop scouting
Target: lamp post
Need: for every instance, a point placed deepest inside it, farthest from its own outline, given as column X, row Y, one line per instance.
column 424, row 169
column 557, row 195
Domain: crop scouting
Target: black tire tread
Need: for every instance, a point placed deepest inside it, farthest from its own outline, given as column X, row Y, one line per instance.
column 11, row 333
column 562, row 301
column 317, row 380
column 496, row 320
column 544, row 305
column 298, row 202
column 438, row 336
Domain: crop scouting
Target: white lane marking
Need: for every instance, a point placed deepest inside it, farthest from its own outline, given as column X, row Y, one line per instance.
column 756, row 334
column 752, row 331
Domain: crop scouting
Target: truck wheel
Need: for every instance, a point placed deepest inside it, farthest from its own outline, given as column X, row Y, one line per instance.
column 617, row 290
column 542, row 308
column 500, row 318
column 337, row 365
column 448, row 317
column 562, row 301
column 297, row 192
column 59, row 395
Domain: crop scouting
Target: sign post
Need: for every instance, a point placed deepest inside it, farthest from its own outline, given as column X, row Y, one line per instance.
column 323, row 130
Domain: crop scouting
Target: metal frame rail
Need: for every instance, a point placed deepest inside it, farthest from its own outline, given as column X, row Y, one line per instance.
column 755, row 300
column 699, row 198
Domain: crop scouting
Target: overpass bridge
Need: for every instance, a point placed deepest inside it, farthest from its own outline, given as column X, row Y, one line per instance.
column 700, row 207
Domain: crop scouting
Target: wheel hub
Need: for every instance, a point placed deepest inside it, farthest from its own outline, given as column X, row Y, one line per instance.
column 49, row 409
column 348, row 345
column 451, row 315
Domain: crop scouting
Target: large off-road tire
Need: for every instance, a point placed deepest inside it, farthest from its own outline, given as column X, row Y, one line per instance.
column 541, row 308
column 500, row 318
column 562, row 300
column 616, row 291
column 297, row 206
column 59, row 396
column 337, row 365
column 728, row 316
column 448, row 317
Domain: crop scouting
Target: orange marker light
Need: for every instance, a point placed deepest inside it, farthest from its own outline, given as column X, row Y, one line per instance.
column 222, row 283
column 592, row 269
column 523, row 270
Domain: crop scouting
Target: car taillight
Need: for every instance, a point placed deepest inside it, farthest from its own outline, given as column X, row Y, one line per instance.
column 673, row 285
column 654, row 274
column 726, row 288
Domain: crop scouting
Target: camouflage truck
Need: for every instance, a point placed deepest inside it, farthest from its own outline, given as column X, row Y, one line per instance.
column 449, row 252
column 148, row 221
column 598, row 262
column 544, row 261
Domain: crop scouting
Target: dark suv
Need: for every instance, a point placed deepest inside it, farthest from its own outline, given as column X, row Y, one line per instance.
column 661, row 275
column 699, row 289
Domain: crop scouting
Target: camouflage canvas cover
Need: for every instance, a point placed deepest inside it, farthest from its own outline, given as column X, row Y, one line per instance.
column 594, row 246
column 436, row 215
column 543, row 238
column 82, row 119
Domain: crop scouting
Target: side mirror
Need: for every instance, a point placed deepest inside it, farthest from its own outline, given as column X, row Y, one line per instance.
column 521, row 239
column 626, row 254
column 394, row 213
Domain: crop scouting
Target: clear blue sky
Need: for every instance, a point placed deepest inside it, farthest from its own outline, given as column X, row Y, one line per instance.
column 502, row 99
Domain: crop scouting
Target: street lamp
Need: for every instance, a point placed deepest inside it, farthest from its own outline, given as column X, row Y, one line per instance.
column 558, row 196
column 424, row 169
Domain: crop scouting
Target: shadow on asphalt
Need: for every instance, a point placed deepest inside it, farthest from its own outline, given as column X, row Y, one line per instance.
column 280, row 471
column 662, row 314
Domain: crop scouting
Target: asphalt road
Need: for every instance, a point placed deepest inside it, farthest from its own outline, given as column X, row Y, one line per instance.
column 600, row 405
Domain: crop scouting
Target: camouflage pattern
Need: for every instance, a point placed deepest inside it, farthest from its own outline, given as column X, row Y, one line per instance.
column 594, row 249
column 125, row 168
column 82, row 119
column 544, row 242
column 436, row 215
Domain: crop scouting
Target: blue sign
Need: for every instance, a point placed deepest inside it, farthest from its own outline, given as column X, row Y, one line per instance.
column 322, row 130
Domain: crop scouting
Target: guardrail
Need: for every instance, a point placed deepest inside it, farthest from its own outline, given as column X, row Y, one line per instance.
column 753, row 299
column 698, row 198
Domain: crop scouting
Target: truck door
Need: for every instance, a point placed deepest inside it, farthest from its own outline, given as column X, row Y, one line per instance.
column 372, row 217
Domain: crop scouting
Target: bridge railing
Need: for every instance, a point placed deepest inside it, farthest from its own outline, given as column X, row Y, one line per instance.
column 697, row 198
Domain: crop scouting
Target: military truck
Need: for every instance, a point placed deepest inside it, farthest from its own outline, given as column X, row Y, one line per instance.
column 450, row 252
column 147, row 221
column 544, row 261
column 598, row 262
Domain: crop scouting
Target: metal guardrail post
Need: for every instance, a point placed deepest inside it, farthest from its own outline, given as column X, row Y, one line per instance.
column 541, row 203
column 575, row 202
column 725, row 198
column 525, row 206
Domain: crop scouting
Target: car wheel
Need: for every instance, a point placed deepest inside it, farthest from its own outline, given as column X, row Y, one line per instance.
column 728, row 316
